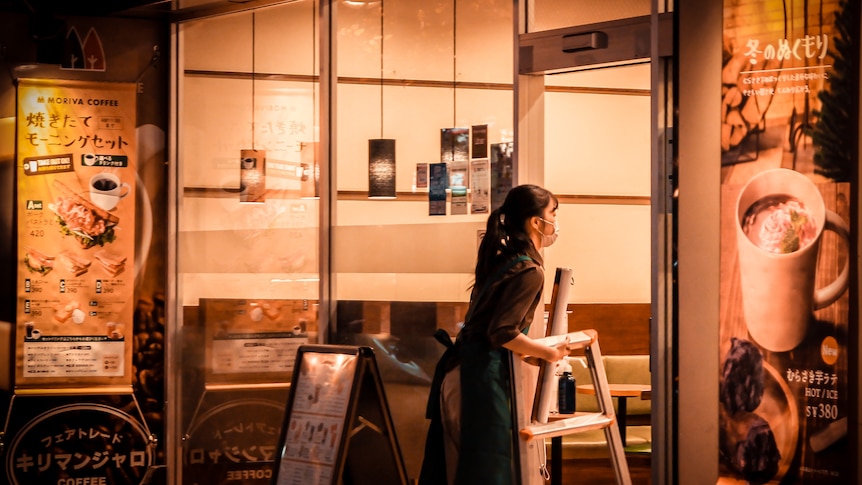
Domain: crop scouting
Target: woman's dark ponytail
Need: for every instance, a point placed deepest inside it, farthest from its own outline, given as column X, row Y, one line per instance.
column 493, row 243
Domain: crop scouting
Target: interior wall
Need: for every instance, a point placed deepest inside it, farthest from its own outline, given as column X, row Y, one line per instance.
column 224, row 110
column 597, row 158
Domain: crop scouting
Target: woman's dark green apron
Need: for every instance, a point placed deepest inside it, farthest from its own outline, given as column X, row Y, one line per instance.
column 487, row 438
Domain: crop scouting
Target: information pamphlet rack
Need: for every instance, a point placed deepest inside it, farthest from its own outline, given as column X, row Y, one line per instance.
column 533, row 433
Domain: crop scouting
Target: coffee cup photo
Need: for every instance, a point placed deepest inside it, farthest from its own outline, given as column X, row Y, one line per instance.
column 300, row 327
column 780, row 221
column 106, row 190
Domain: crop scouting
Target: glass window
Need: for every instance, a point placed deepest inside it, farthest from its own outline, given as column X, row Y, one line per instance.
column 247, row 226
column 408, row 69
column 248, row 233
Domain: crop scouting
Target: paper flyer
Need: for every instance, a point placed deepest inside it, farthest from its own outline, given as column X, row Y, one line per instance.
column 421, row 175
column 459, row 200
column 480, row 186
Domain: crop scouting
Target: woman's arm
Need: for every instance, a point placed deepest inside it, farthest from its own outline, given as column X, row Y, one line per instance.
column 526, row 346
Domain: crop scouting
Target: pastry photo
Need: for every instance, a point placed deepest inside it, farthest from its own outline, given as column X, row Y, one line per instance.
column 758, row 418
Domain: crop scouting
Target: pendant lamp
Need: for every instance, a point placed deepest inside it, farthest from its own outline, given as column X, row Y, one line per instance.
column 381, row 151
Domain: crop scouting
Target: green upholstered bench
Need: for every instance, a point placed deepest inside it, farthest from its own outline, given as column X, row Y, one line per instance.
column 620, row 369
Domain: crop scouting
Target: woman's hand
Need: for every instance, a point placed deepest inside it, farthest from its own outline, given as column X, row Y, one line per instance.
column 558, row 352
column 526, row 346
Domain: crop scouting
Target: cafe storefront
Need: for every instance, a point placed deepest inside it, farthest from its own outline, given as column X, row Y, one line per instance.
column 316, row 172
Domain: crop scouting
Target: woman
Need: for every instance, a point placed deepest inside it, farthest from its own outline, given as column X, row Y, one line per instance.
column 476, row 425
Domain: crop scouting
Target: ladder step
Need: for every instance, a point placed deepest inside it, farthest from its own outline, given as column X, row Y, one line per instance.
column 575, row 424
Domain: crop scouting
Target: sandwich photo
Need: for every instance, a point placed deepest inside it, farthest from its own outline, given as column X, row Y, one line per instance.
column 38, row 262
column 111, row 262
column 89, row 224
column 74, row 263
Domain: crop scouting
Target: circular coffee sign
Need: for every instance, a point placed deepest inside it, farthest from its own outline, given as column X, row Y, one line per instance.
column 80, row 444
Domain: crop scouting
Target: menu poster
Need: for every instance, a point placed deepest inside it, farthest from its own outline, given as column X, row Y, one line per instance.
column 76, row 233
column 337, row 427
column 255, row 341
column 316, row 426
column 788, row 105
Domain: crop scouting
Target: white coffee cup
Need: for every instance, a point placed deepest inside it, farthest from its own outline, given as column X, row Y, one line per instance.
column 778, row 293
column 106, row 190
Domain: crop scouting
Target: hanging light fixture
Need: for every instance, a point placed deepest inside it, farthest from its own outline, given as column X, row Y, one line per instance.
column 252, row 173
column 381, row 151
column 381, row 168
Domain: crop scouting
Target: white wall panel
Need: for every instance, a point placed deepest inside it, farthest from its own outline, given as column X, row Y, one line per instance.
column 597, row 144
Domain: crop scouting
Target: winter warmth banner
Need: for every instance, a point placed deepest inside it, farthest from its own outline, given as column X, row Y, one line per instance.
column 788, row 138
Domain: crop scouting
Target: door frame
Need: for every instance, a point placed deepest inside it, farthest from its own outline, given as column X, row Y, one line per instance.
column 626, row 41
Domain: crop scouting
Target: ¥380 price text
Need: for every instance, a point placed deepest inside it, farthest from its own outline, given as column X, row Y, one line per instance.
column 822, row 411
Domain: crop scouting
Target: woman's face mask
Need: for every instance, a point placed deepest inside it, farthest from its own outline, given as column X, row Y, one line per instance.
column 549, row 239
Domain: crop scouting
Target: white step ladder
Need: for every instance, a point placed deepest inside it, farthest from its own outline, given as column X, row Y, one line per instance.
column 536, row 428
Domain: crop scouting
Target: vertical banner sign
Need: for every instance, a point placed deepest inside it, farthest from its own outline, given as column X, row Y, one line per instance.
column 76, row 233
column 789, row 125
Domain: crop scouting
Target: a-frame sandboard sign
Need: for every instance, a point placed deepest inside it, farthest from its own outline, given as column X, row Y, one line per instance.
column 337, row 429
